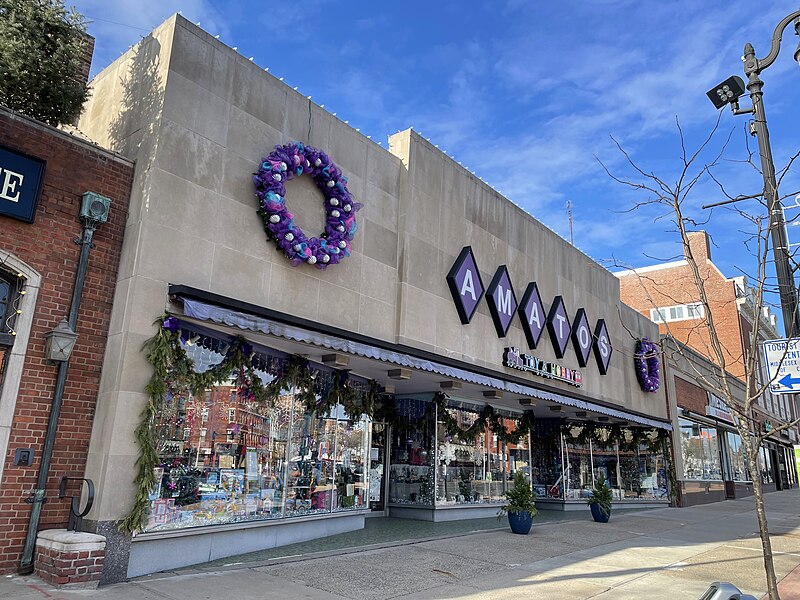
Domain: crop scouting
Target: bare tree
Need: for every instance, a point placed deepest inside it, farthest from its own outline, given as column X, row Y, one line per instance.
column 672, row 199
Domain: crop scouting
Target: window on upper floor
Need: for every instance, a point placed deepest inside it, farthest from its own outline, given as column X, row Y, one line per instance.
column 679, row 312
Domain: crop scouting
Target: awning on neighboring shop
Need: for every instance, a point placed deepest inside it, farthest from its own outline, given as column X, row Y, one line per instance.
column 205, row 311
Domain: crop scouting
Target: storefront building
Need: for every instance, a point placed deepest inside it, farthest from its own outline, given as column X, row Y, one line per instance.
column 710, row 462
column 449, row 342
column 668, row 294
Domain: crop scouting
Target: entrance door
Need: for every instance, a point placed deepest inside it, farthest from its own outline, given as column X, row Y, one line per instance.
column 377, row 467
column 782, row 480
column 776, row 470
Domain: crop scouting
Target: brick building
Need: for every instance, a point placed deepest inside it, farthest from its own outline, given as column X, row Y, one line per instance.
column 38, row 261
column 667, row 294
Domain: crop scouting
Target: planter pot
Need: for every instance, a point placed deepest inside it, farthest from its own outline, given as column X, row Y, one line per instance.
column 598, row 514
column 520, row 522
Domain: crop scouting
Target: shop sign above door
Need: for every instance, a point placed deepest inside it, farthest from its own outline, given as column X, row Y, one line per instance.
column 21, row 178
column 467, row 289
column 718, row 408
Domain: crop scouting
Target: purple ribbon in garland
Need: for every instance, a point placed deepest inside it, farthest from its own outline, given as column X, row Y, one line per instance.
column 171, row 324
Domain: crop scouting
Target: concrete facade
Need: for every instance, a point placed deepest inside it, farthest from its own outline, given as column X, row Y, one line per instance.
column 197, row 117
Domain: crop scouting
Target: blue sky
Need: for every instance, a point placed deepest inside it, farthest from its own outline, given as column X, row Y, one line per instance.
column 527, row 95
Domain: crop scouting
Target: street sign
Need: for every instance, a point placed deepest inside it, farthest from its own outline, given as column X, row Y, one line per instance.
column 783, row 365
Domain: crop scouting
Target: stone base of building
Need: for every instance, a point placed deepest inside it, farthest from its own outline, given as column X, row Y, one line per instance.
column 69, row 558
column 736, row 489
column 459, row 512
column 574, row 505
column 162, row 551
column 693, row 493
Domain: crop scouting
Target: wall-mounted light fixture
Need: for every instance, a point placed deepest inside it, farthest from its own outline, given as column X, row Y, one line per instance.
column 60, row 342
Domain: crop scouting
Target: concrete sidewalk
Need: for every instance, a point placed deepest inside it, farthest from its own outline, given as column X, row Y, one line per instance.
column 663, row 553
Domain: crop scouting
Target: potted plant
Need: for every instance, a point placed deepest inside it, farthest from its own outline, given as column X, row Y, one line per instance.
column 600, row 500
column 520, row 506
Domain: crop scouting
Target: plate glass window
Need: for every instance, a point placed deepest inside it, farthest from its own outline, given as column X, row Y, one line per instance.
column 226, row 458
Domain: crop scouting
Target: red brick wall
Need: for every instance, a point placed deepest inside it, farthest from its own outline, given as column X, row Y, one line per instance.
column 673, row 286
column 690, row 396
column 47, row 245
column 65, row 568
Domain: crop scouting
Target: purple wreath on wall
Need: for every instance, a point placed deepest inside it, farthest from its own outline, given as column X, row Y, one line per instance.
column 647, row 365
column 290, row 161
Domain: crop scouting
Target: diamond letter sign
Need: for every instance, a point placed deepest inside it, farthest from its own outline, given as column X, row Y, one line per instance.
column 465, row 284
column 502, row 301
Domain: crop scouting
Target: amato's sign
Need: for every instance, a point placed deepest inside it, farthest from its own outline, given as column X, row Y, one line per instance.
column 466, row 286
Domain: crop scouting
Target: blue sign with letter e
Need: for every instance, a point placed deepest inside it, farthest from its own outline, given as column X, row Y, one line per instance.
column 21, row 178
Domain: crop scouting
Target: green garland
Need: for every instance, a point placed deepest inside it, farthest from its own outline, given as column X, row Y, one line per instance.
column 487, row 419
column 174, row 376
column 295, row 376
column 172, row 370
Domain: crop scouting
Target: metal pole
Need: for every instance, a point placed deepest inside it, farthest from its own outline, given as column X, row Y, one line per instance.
column 37, row 498
column 777, row 224
column 780, row 243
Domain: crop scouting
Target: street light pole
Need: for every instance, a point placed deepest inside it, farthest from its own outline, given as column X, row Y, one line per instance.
column 780, row 243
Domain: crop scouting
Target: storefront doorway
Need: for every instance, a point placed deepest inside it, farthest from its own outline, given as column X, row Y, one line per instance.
column 779, row 462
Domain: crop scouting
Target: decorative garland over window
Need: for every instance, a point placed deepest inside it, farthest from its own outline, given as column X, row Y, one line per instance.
column 487, row 419
column 293, row 160
column 629, row 439
column 647, row 365
column 174, row 376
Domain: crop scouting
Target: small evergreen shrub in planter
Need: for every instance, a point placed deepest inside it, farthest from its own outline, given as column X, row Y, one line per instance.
column 600, row 500
column 520, row 506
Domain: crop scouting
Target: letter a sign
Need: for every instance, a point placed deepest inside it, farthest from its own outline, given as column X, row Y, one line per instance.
column 502, row 301
column 465, row 284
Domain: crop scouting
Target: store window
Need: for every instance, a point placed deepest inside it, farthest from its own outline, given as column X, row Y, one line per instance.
column 579, row 477
column 606, row 462
column 633, row 471
column 736, row 458
column 350, row 467
column 700, row 451
column 226, row 458
column 477, row 469
column 652, row 479
column 765, row 457
column 412, row 478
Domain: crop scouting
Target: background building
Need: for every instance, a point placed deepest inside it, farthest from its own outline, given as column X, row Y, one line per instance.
column 667, row 294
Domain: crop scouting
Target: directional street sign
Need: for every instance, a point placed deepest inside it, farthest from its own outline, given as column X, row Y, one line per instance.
column 783, row 365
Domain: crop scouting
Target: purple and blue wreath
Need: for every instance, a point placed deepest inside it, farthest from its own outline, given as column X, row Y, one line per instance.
column 647, row 365
column 290, row 161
